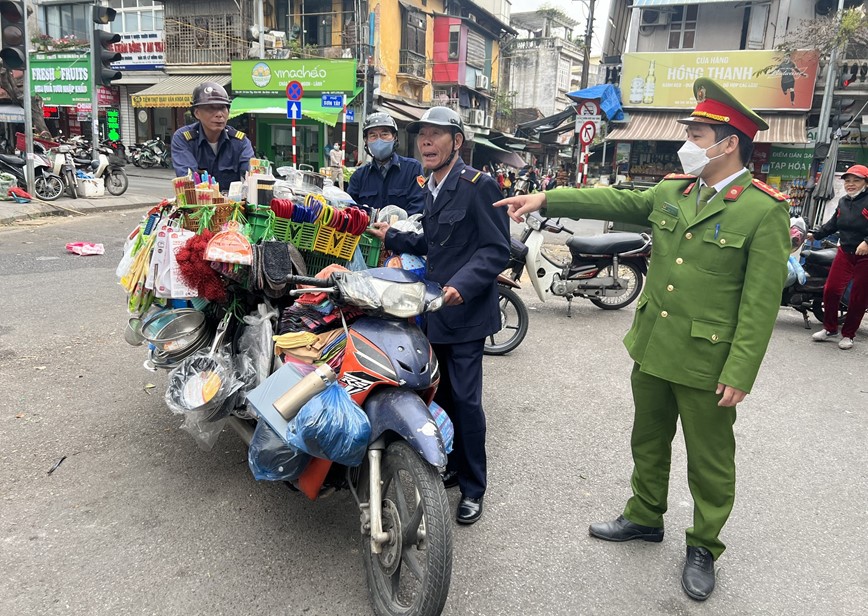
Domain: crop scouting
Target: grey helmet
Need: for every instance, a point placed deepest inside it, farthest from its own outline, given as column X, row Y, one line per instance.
column 439, row 116
column 210, row 93
column 379, row 119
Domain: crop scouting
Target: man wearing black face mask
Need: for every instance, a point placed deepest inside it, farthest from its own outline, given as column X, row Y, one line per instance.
column 388, row 179
column 702, row 323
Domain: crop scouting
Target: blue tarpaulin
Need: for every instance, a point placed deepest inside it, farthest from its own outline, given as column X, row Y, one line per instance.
column 608, row 95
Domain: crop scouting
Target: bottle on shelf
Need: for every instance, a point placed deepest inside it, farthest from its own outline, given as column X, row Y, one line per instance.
column 650, row 84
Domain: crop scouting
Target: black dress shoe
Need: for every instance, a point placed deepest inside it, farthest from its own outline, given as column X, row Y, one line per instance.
column 697, row 580
column 469, row 510
column 450, row 479
column 622, row 529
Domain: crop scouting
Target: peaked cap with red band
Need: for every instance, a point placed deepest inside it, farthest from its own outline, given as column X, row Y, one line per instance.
column 714, row 105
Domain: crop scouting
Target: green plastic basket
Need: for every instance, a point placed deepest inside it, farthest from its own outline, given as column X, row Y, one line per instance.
column 300, row 234
column 369, row 245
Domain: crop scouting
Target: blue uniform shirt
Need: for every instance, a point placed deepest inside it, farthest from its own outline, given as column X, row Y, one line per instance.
column 402, row 185
column 191, row 150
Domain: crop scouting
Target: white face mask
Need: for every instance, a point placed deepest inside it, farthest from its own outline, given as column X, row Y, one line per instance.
column 694, row 158
column 855, row 193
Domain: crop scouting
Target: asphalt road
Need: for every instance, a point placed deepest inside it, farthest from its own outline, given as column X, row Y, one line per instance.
column 137, row 520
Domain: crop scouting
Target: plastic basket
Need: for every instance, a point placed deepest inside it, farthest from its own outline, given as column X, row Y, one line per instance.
column 336, row 243
column 369, row 246
column 301, row 234
column 258, row 227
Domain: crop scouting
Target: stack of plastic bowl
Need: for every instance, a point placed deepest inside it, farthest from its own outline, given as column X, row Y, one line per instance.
column 175, row 335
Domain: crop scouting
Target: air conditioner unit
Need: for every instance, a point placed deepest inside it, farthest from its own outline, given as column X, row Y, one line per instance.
column 489, row 121
column 652, row 17
column 477, row 117
column 481, row 81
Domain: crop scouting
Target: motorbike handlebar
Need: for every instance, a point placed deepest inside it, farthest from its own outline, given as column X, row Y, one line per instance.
column 310, row 281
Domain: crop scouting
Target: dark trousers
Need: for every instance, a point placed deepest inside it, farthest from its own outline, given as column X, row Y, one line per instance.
column 710, row 442
column 846, row 267
column 460, row 395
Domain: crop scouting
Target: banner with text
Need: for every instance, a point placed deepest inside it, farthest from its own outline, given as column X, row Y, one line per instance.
column 270, row 77
column 763, row 79
column 61, row 83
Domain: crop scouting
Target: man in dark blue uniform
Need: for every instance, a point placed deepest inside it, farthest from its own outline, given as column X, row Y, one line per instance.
column 467, row 243
column 208, row 144
column 388, row 179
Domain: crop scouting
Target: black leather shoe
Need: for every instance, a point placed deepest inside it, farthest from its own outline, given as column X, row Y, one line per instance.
column 469, row 510
column 697, row 580
column 450, row 479
column 622, row 529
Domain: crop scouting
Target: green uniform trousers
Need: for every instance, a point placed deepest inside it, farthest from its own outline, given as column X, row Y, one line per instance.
column 710, row 443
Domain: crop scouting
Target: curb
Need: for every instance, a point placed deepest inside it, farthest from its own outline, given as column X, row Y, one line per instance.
column 26, row 211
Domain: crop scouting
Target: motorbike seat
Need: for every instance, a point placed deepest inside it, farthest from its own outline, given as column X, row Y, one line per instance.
column 81, row 161
column 15, row 161
column 517, row 250
column 824, row 256
column 608, row 243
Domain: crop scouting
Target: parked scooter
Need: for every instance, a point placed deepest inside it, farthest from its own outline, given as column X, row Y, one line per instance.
column 390, row 370
column 64, row 165
column 153, row 153
column 606, row 269
column 109, row 167
column 47, row 185
column 806, row 295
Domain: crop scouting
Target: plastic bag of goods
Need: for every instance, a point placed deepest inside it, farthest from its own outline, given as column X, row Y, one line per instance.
column 271, row 459
column 331, row 426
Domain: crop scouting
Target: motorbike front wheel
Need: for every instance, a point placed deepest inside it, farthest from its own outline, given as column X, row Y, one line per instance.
column 117, row 182
column 147, row 161
column 632, row 275
column 513, row 320
column 411, row 575
column 71, row 184
column 48, row 187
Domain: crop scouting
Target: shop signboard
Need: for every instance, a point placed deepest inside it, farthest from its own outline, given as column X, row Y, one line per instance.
column 61, row 82
column 141, row 51
column 790, row 163
column 761, row 79
column 271, row 77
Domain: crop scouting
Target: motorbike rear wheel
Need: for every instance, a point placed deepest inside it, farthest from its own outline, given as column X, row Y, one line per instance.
column 117, row 182
column 411, row 576
column 514, row 321
column 48, row 187
column 633, row 276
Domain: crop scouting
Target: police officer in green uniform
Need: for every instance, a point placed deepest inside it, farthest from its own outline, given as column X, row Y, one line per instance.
column 209, row 144
column 703, row 321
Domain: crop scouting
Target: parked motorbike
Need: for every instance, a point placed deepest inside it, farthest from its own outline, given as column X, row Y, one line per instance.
column 64, row 165
column 606, row 269
column 133, row 153
column 109, row 167
column 153, row 153
column 47, row 185
column 117, row 147
column 391, row 372
column 806, row 296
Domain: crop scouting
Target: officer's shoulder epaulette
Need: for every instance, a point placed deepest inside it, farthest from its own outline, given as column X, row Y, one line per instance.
column 239, row 134
column 769, row 190
column 190, row 134
column 679, row 176
column 470, row 174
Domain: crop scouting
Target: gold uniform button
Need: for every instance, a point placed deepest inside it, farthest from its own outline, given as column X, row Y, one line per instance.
column 662, row 223
column 688, row 235
column 714, row 337
column 722, row 241
column 670, row 288
column 664, row 314
column 679, row 260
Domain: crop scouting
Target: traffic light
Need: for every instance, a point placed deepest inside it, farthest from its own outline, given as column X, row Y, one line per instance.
column 103, row 55
column 848, row 75
column 12, row 22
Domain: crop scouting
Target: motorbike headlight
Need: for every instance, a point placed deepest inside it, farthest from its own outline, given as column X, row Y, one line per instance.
column 534, row 221
column 401, row 300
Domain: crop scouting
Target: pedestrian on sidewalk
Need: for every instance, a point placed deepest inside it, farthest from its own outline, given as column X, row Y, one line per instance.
column 702, row 323
column 850, row 222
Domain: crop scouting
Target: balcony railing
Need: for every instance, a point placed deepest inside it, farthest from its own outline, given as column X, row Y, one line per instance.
column 412, row 63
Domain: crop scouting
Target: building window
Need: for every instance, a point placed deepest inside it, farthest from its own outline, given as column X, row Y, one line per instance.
column 682, row 27
column 412, row 54
column 454, row 41
column 137, row 16
column 62, row 20
column 564, row 73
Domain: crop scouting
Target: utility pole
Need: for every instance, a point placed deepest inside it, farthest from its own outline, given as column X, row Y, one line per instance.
column 828, row 90
column 589, row 31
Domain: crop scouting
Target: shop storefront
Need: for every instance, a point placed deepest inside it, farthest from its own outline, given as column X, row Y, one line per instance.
column 659, row 91
column 63, row 83
column 259, row 89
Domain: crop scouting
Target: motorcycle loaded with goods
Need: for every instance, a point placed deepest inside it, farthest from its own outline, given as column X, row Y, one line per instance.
column 272, row 318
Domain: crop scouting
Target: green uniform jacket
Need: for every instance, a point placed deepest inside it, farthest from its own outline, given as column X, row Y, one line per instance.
column 715, row 279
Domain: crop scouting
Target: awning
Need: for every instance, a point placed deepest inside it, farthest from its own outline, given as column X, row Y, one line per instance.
column 529, row 129
column 498, row 154
column 11, row 113
column 663, row 126
column 311, row 107
column 174, row 91
column 410, row 111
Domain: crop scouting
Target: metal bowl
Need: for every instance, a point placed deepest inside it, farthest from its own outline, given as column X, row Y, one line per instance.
column 174, row 331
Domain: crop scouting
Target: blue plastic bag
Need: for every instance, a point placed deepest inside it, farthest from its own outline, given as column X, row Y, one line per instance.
column 331, row 426
column 271, row 459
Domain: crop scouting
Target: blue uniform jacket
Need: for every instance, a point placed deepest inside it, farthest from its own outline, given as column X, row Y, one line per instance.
column 467, row 243
column 402, row 185
column 190, row 150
